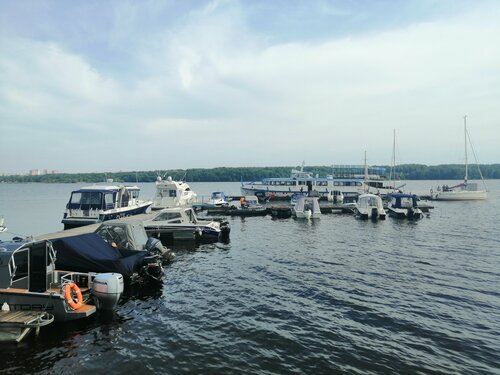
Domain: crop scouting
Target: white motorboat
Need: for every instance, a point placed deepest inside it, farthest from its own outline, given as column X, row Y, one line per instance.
column 29, row 281
column 98, row 203
column 218, row 199
column 171, row 193
column 465, row 190
column 306, row 208
column 404, row 206
column 370, row 206
column 181, row 223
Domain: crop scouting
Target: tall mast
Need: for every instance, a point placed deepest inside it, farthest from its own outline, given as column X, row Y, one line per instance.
column 393, row 167
column 366, row 175
column 465, row 137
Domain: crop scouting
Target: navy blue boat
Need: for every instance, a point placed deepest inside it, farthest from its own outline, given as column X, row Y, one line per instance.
column 95, row 204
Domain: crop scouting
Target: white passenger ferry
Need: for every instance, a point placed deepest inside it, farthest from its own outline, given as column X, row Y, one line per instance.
column 344, row 180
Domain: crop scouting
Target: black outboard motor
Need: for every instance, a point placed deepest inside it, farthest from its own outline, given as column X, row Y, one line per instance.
column 374, row 213
column 151, row 269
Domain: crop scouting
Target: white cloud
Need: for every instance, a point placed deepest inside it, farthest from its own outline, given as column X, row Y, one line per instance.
column 209, row 80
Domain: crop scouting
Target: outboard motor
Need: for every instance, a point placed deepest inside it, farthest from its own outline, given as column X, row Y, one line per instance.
column 151, row 269
column 107, row 289
column 155, row 247
column 374, row 213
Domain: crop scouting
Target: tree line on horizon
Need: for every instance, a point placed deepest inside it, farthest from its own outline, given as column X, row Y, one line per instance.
column 231, row 174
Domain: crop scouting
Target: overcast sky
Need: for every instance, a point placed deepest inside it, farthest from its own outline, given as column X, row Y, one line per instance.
column 92, row 86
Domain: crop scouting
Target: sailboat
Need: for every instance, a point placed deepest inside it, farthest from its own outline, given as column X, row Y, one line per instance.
column 466, row 190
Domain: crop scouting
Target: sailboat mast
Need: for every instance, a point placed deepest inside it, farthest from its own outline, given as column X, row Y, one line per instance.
column 465, row 138
column 393, row 167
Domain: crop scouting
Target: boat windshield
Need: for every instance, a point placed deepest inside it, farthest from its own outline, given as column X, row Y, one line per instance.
column 88, row 200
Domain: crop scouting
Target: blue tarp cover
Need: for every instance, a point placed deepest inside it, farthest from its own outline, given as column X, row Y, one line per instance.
column 90, row 253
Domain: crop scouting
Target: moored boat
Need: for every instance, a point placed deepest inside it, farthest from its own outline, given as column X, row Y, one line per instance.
column 181, row 223
column 346, row 183
column 98, row 203
column 465, row 190
column 171, row 193
column 369, row 206
column 29, row 281
column 404, row 206
column 306, row 208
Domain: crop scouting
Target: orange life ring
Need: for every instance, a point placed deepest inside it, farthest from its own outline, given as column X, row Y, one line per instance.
column 69, row 298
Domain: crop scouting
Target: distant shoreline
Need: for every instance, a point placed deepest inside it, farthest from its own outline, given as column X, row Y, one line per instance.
column 237, row 174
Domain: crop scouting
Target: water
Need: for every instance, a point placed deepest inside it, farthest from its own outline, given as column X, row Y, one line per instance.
column 337, row 295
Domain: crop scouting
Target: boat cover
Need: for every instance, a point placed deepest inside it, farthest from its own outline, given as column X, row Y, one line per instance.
column 90, row 253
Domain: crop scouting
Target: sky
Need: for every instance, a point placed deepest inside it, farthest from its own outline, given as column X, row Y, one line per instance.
column 95, row 86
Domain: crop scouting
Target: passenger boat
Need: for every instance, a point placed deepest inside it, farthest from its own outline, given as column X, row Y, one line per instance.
column 29, row 281
column 97, row 203
column 403, row 206
column 465, row 190
column 181, row 223
column 306, row 208
column 171, row 193
column 369, row 206
column 347, row 181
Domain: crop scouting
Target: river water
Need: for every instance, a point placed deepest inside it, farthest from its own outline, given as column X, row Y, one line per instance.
column 336, row 295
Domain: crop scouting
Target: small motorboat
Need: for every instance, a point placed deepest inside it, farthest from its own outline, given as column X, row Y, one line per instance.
column 249, row 206
column 404, row 206
column 181, row 223
column 97, row 203
column 29, row 281
column 218, row 199
column 89, row 252
column 129, row 234
column 369, row 206
column 306, row 208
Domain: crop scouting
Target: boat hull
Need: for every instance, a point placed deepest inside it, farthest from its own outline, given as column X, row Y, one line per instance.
column 75, row 222
column 465, row 195
column 52, row 303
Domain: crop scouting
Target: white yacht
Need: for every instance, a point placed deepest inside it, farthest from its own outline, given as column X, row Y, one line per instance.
column 369, row 206
column 306, row 208
column 171, row 193
column 465, row 190
column 98, row 203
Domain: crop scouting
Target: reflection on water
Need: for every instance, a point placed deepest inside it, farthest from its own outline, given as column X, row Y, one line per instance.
column 295, row 296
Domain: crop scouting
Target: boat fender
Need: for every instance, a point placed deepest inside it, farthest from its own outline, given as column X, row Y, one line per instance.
column 69, row 298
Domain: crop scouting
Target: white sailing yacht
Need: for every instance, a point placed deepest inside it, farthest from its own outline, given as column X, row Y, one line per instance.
column 466, row 190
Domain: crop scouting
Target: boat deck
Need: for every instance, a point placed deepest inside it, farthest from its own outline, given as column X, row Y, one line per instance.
column 19, row 317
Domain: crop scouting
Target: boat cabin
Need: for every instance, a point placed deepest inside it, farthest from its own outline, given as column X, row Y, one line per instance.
column 404, row 201
column 103, row 197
